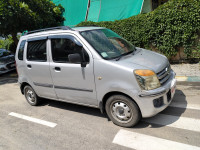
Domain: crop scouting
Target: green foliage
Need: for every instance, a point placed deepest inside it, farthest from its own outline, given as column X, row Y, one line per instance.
column 196, row 50
column 171, row 26
column 6, row 43
column 20, row 15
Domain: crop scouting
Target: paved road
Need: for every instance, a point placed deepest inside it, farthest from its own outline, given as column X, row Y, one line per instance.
column 71, row 126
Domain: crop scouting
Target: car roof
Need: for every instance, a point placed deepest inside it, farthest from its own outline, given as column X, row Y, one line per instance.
column 87, row 28
column 60, row 31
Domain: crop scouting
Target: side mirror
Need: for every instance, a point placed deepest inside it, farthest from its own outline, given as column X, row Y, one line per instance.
column 76, row 58
column 83, row 64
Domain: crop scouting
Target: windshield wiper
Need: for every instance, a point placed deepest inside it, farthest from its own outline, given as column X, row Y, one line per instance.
column 118, row 58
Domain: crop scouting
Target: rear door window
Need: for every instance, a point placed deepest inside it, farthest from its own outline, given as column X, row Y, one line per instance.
column 36, row 51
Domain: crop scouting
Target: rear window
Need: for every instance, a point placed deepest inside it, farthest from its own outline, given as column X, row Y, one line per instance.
column 21, row 50
column 4, row 53
column 36, row 51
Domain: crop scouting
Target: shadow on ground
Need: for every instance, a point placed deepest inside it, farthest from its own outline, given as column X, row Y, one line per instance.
column 73, row 107
column 7, row 81
column 179, row 95
column 10, row 77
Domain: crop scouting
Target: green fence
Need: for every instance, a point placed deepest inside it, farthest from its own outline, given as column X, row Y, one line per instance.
column 99, row 10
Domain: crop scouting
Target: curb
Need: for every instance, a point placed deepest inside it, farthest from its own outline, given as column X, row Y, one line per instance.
column 188, row 78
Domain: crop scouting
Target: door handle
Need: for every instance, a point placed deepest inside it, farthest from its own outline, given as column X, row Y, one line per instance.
column 29, row 66
column 57, row 69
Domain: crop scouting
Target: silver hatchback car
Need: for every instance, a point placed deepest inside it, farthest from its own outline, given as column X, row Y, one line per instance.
column 96, row 67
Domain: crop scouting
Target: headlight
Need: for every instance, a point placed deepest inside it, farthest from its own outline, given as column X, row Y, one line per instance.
column 147, row 79
column 2, row 68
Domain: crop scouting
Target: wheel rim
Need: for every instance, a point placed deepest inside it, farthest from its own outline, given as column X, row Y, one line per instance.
column 30, row 96
column 121, row 112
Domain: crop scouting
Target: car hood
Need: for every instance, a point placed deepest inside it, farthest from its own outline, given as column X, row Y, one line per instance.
column 7, row 59
column 144, row 59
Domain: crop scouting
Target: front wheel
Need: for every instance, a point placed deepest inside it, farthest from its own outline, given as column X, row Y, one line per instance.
column 122, row 111
column 31, row 96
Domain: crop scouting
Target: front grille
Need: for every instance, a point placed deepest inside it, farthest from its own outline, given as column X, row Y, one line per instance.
column 164, row 74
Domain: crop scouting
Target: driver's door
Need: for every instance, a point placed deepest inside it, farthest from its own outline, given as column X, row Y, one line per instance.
column 72, row 82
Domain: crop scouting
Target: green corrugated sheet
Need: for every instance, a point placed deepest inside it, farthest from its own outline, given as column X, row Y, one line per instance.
column 100, row 10
column 147, row 6
column 94, row 10
column 75, row 10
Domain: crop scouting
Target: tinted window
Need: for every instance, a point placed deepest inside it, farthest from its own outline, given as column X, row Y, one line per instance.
column 4, row 53
column 36, row 51
column 61, row 48
column 21, row 50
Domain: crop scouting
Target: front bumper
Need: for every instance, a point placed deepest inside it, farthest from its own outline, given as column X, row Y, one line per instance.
column 146, row 99
column 7, row 67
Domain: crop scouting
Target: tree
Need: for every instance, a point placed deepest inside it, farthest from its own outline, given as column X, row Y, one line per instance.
column 6, row 43
column 20, row 15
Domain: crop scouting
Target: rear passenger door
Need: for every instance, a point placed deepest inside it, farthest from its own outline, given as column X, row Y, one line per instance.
column 37, row 67
column 72, row 82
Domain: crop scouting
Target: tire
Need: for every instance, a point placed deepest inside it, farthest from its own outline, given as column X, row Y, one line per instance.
column 122, row 111
column 31, row 96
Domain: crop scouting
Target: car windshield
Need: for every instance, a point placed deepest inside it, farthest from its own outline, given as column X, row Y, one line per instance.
column 108, row 43
column 4, row 53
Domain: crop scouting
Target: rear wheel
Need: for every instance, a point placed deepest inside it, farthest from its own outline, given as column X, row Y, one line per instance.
column 31, row 96
column 122, row 111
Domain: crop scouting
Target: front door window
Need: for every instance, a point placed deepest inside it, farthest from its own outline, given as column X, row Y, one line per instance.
column 62, row 48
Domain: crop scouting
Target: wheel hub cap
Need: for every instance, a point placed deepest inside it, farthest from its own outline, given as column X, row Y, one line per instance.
column 121, row 111
column 30, row 96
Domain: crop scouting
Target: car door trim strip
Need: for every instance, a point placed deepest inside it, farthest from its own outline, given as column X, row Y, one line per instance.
column 70, row 88
column 61, row 87
column 43, row 85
